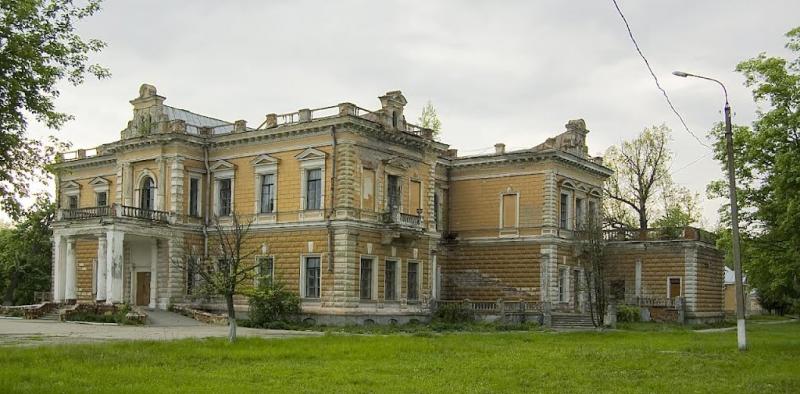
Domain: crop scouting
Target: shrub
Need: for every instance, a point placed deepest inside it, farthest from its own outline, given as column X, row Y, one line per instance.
column 628, row 314
column 453, row 313
column 270, row 302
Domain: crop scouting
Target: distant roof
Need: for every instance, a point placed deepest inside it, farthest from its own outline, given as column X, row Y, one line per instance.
column 195, row 121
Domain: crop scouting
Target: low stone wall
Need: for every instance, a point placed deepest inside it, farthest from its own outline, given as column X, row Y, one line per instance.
column 362, row 319
column 200, row 315
column 27, row 311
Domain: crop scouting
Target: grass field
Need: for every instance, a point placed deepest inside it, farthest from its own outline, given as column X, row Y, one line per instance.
column 674, row 361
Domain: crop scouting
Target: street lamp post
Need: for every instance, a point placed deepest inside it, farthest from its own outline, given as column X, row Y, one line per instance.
column 737, row 259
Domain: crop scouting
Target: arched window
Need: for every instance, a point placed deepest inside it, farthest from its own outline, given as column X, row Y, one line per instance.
column 147, row 196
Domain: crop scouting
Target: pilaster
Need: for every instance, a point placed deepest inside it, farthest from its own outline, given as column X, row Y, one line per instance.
column 176, row 185
column 70, row 293
column 345, row 275
column 549, row 211
column 101, row 268
column 114, row 266
column 58, row 268
column 690, row 278
column 153, row 273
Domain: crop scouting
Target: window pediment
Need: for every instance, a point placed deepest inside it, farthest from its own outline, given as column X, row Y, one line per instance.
column 264, row 164
column 398, row 163
column 70, row 186
column 222, row 169
column 100, row 184
column 311, row 154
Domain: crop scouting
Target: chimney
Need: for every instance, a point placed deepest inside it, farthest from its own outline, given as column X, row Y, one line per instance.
column 239, row 126
column 499, row 148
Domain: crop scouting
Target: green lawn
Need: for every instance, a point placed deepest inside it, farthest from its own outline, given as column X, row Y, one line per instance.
column 672, row 361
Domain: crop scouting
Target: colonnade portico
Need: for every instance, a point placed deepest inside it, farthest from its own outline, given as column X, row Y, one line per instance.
column 122, row 260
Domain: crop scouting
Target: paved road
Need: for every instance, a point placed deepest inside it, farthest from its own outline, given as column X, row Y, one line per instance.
column 165, row 326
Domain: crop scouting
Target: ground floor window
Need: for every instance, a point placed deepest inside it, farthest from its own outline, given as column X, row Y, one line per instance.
column 366, row 279
column 312, row 277
column 673, row 287
column 562, row 284
column 264, row 269
column 413, row 281
column 390, row 281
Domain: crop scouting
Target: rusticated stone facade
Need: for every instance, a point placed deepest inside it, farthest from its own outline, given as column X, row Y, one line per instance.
column 359, row 204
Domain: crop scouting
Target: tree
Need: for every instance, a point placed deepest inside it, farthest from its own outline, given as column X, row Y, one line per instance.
column 222, row 273
column 26, row 254
column 641, row 176
column 38, row 49
column 429, row 119
column 590, row 258
column 767, row 169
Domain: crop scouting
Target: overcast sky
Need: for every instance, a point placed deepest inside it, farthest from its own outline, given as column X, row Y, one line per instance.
column 510, row 71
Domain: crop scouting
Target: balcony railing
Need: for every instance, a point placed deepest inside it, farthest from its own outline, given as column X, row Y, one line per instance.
column 115, row 210
column 659, row 234
column 85, row 213
column 396, row 217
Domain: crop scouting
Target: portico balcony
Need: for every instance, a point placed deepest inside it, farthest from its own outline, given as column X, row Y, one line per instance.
column 404, row 220
column 115, row 211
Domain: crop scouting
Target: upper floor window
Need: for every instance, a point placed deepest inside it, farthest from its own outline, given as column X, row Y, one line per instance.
column 72, row 202
column 313, row 189
column 147, row 194
column 509, row 207
column 368, row 190
column 564, row 219
column 415, row 198
column 267, row 193
column 225, row 197
column 102, row 199
column 194, row 197
column 436, row 214
column 393, row 192
column 580, row 213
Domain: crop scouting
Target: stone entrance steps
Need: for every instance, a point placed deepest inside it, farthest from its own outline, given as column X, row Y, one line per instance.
column 571, row 321
column 54, row 315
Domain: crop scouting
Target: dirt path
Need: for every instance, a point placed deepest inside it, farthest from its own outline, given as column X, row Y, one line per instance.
column 37, row 332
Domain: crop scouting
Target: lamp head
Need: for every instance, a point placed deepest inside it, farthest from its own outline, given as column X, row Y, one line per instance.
column 680, row 74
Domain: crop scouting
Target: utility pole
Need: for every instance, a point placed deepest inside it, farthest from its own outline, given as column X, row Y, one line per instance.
column 741, row 335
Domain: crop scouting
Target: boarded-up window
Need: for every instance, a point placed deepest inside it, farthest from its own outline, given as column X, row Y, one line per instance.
column 509, row 211
column 368, row 190
column 674, row 287
column 414, row 197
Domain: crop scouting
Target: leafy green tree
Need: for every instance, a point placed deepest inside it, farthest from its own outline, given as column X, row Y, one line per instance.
column 429, row 119
column 38, row 49
column 641, row 177
column 767, row 166
column 26, row 254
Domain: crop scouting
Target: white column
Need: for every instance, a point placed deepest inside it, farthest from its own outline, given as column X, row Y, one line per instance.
column 154, row 274
column 58, row 269
column 101, row 268
column 70, row 293
column 114, row 262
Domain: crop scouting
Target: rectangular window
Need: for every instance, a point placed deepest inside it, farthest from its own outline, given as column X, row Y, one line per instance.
column 264, row 269
column 579, row 213
column 390, row 281
column 72, row 202
column 366, row 279
column 393, row 191
column 312, row 277
column 225, row 197
column 509, row 211
column 102, row 199
column 593, row 211
column 413, row 282
column 564, row 211
column 674, row 289
column 415, row 198
column 191, row 275
column 436, row 204
column 194, row 194
column 617, row 289
column 267, row 193
column 562, row 284
column 313, row 189
column 368, row 190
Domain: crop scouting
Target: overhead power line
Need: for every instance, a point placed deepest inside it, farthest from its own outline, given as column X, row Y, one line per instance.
column 653, row 74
